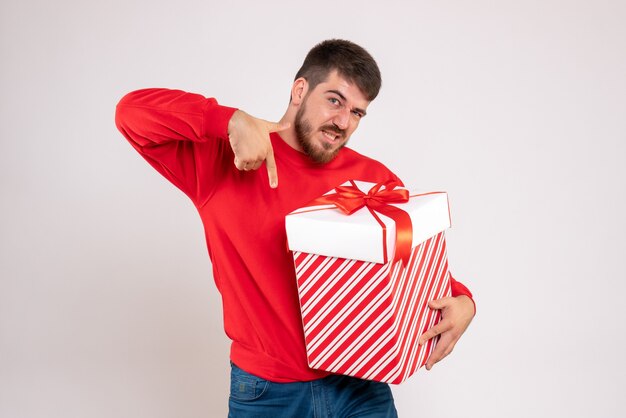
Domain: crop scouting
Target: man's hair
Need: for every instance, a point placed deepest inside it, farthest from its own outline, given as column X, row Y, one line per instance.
column 351, row 61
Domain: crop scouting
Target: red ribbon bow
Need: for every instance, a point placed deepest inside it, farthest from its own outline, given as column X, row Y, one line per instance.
column 349, row 199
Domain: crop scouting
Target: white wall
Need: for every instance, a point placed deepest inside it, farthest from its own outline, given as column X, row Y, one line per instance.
column 107, row 305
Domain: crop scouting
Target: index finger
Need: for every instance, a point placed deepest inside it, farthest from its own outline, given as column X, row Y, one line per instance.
column 270, row 164
column 277, row 127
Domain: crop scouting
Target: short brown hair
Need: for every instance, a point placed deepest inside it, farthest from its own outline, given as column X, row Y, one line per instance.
column 351, row 61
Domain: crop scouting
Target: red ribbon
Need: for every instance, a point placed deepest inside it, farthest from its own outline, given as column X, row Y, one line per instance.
column 349, row 199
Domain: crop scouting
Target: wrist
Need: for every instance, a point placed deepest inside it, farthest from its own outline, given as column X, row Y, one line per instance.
column 233, row 121
column 469, row 302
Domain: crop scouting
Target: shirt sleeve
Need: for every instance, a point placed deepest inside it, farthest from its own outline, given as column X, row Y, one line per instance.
column 184, row 136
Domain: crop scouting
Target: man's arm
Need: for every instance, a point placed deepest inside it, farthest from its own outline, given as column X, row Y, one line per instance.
column 182, row 135
column 192, row 140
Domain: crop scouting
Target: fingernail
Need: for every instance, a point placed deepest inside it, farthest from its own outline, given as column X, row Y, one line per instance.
column 273, row 184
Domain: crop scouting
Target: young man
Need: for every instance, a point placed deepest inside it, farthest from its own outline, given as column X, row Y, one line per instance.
column 214, row 154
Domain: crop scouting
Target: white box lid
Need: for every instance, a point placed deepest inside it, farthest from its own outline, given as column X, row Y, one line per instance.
column 326, row 230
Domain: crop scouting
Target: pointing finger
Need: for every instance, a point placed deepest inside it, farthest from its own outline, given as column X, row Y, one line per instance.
column 272, row 173
column 277, row 127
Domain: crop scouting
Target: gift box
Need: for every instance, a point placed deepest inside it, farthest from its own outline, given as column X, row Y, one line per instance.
column 368, row 259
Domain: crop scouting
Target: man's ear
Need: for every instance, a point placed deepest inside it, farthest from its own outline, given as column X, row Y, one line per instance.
column 299, row 90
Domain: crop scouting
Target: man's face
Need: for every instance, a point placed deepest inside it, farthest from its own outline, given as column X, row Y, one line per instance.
column 327, row 117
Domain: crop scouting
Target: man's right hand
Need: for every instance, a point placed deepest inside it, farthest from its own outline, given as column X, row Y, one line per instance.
column 250, row 140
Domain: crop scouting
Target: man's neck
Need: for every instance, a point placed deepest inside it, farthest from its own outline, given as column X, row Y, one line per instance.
column 289, row 135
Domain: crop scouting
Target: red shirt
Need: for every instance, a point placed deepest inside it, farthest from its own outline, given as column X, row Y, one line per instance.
column 184, row 137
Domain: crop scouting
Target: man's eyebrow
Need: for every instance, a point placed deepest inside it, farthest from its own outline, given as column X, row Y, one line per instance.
column 338, row 93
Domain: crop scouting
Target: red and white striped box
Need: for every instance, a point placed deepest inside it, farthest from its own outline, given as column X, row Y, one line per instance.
column 363, row 310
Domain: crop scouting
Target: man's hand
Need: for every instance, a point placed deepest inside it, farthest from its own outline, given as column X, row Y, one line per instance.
column 250, row 140
column 456, row 315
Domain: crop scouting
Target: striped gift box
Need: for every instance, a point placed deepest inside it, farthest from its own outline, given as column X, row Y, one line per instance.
column 363, row 318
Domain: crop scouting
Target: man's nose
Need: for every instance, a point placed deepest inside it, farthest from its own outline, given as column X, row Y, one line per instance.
column 342, row 119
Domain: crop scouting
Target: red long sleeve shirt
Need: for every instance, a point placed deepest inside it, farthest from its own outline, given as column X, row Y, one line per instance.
column 184, row 137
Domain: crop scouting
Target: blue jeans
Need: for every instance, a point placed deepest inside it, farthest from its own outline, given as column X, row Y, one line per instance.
column 334, row 396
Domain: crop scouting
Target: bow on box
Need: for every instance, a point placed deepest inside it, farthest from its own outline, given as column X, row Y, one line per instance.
column 349, row 199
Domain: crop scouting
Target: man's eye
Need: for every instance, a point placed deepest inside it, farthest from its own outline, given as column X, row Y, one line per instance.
column 357, row 114
column 334, row 100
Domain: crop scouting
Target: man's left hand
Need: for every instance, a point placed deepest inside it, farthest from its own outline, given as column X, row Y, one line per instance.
column 456, row 315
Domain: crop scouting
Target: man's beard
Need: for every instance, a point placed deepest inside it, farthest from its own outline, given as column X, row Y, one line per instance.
column 322, row 154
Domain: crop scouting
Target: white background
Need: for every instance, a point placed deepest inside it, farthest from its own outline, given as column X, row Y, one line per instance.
column 517, row 109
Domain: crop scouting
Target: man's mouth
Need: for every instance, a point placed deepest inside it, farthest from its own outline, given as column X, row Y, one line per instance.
column 331, row 136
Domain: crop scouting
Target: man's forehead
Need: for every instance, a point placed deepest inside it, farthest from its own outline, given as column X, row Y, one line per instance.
column 336, row 83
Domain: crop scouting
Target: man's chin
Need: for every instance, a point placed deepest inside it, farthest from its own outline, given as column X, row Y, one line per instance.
column 320, row 153
column 324, row 156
